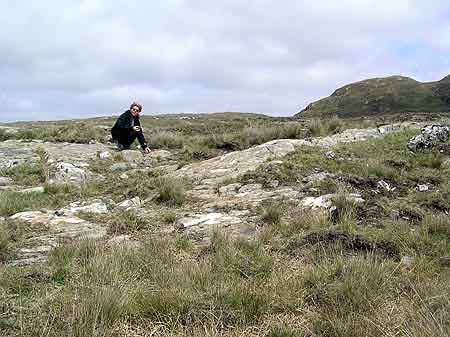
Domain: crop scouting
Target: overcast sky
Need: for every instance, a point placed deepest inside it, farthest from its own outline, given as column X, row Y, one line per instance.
column 74, row 58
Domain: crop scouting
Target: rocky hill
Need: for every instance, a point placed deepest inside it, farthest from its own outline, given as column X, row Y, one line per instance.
column 378, row 96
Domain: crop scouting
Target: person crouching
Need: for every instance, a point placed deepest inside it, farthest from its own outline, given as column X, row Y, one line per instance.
column 128, row 127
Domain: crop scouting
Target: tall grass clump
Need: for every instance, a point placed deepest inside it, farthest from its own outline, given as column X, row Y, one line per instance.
column 272, row 213
column 4, row 241
column 43, row 163
column 170, row 191
column 344, row 211
column 318, row 127
column 125, row 223
column 166, row 139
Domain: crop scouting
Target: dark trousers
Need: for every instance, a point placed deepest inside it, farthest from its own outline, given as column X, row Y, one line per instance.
column 126, row 137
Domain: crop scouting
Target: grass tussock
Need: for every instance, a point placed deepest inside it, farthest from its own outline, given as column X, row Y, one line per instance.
column 272, row 213
column 170, row 191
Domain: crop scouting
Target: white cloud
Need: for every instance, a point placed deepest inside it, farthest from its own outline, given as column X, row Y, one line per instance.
column 93, row 57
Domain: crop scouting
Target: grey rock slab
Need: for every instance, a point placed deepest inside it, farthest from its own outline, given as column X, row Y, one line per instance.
column 213, row 219
column 230, row 189
column 52, row 229
column 39, row 189
column 250, row 188
column 326, row 201
column 6, row 181
column 14, row 152
column 93, row 206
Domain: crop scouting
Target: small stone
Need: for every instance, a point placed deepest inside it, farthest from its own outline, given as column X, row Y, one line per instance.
column 39, row 189
column 385, row 186
column 250, row 188
column 330, row 155
column 407, row 262
column 423, row 188
column 274, row 183
column 119, row 167
column 131, row 203
column 104, row 155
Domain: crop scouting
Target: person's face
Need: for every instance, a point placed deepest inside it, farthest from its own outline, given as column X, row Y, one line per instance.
column 135, row 111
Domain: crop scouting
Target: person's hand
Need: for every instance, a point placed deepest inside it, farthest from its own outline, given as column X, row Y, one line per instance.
column 137, row 128
column 147, row 150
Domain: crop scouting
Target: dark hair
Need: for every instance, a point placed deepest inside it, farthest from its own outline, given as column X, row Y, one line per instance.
column 136, row 105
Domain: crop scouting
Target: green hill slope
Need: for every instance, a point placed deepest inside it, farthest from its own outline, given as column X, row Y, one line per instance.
column 382, row 96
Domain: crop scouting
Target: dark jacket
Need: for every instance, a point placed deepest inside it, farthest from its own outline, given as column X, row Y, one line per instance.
column 123, row 130
column 125, row 121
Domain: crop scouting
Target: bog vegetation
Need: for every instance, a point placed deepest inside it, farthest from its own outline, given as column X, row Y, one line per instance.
column 380, row 268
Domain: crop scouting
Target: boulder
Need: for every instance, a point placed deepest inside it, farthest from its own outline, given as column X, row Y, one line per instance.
column 69, row 173
column 429, row 137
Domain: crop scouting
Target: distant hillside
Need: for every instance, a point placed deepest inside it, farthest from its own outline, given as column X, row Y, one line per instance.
column 383, row 96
